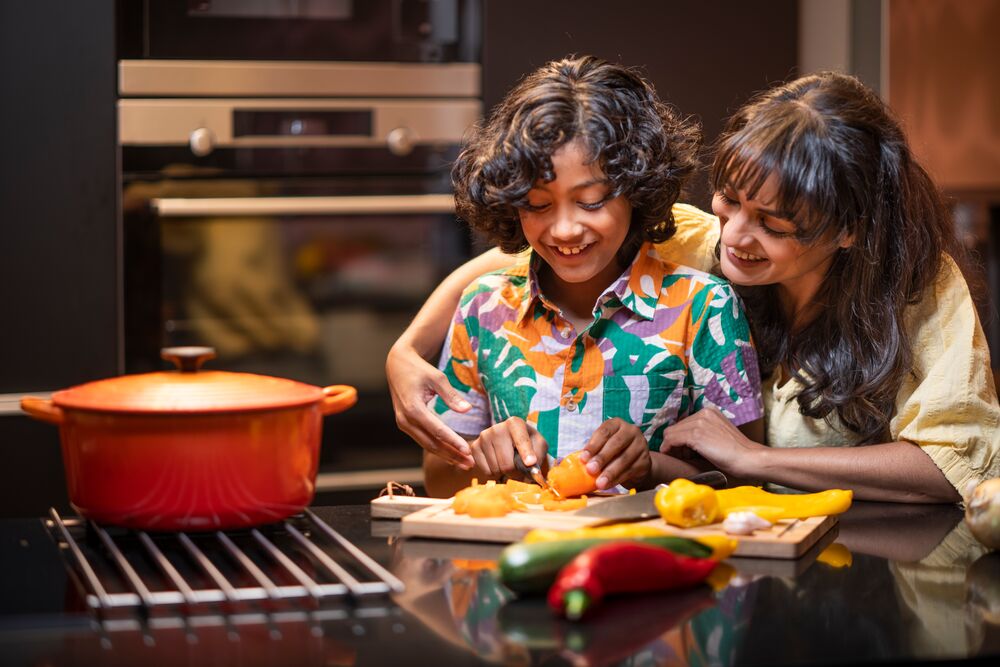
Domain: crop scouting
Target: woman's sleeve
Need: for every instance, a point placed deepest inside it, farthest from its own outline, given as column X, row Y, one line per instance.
column 722, row 363
column 948, row 405
column 459, row 363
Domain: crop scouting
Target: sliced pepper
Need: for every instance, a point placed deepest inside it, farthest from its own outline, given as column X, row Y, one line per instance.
column 785, row 505
column 617, row 531
column 722, row 546
column 485, row 500
column 564, row 504
column 570, row 477
column 686, row 504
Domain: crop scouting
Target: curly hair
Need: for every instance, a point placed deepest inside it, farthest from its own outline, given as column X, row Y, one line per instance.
column 843, row 171
column 646, row 150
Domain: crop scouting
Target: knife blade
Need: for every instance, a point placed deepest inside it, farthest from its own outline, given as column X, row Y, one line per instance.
column 639, row 506
column 534, row 472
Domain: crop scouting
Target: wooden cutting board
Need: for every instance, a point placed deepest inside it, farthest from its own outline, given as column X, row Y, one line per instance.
column 434, row 518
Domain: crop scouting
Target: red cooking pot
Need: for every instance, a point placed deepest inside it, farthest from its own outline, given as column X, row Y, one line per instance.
column 190, row 449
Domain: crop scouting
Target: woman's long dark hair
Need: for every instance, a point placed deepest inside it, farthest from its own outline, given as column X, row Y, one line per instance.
column 644, row 147
column 844, row 172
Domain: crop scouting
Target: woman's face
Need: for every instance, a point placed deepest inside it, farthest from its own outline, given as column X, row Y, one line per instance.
column 758, row 244
column 573, row 225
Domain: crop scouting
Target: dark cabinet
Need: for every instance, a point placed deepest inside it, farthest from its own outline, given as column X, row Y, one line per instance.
column 58, row 214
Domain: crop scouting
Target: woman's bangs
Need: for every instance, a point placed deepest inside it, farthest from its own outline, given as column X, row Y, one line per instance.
column 747, row 159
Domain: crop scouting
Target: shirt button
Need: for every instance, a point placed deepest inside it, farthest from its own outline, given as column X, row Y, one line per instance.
column 571, row 407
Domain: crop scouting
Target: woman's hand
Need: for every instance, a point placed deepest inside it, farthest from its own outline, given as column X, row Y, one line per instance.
column 714, row 437
column 494, row 449
column 413, row 382
column 617, row 453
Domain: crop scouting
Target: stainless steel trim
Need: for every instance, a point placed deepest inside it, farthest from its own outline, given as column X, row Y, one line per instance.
column 171, row 122
column 286, row 562
column 393, row 582
column 133, row 578
column 312, row 79
column 359, row 205
column 89, row 576
column 187, row 598
column 10, row 404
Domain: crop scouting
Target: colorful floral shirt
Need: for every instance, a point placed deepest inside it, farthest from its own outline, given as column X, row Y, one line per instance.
column 666, row 341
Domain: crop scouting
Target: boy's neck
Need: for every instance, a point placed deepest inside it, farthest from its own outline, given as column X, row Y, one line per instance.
column 576, row 300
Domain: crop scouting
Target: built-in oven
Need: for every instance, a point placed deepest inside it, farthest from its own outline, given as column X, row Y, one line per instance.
column 307, row 30
column 294, row 216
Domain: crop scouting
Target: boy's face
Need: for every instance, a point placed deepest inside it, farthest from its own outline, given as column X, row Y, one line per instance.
column 573, row 225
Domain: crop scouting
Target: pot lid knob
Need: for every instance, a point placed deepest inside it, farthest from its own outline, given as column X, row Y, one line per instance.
column 188, row 359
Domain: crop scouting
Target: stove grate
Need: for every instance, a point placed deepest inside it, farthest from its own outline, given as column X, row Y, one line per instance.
column 299, row 561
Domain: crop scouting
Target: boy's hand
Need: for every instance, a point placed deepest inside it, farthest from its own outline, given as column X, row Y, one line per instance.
column 493, row 450
column 617, row 453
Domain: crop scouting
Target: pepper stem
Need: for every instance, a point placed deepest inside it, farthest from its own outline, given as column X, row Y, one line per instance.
column 577, row 602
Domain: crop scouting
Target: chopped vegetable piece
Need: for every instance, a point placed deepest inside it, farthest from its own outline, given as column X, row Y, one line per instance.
column 622, row 567
column 744, row 523
column 570, row 477
column 486, row 500
column 790, row 505
column 686, row 504
column 617, row 531
column 722, row 547
column 565, row 505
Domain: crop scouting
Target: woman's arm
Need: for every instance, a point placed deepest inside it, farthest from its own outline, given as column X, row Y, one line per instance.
column 893, row 471
column 413, row 381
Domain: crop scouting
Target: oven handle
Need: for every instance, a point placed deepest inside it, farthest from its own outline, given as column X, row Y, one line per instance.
column 351, row 205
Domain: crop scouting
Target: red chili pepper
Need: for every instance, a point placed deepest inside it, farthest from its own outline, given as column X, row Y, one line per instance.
column 622, row 567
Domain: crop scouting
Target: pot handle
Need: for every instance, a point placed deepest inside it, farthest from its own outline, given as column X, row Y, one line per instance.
column 337, row 398
column 42, row 409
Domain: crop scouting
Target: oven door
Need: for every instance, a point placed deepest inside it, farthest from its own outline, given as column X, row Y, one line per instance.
column 305, row 278
column 399, row 31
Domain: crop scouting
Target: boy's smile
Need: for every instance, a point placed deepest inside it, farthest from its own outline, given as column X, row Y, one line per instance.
column 576, row 229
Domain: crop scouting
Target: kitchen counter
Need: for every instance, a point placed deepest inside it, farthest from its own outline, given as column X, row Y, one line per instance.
column 896, row 584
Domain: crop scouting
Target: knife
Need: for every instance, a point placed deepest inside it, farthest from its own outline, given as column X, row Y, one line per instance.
column 639, row 506
column 534, row 472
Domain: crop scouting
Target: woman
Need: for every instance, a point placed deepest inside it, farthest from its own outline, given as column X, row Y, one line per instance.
column 867, row 335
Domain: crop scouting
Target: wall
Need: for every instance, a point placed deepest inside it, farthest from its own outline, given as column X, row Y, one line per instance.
column 705, row 58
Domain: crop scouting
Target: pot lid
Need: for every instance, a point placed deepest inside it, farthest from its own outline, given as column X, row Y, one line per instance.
column 188, row 389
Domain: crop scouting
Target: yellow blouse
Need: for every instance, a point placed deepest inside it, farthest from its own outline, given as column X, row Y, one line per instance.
column 948, row 404
column 693, row 244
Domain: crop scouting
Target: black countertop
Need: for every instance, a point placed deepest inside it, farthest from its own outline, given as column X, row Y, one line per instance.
column 896, row 584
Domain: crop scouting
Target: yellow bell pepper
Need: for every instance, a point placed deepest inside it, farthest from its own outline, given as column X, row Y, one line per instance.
column 775, row 506
column 722, row 546
column 686, row 504
column 615, row 531
column 836, row 555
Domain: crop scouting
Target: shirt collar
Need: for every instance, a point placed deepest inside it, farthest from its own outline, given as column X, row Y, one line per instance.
column 637, row 288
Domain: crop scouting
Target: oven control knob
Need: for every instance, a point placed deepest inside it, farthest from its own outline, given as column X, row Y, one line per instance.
column 401, row 141
column 202, row 141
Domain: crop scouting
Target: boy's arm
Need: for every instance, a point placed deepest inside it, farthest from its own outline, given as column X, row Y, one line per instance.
column 413, row 382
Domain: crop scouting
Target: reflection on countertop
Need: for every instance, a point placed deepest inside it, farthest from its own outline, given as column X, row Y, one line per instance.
column 895, row 584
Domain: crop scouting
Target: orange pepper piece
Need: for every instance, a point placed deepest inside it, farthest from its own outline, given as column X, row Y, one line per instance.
column 570, row 477
column 565, row 505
